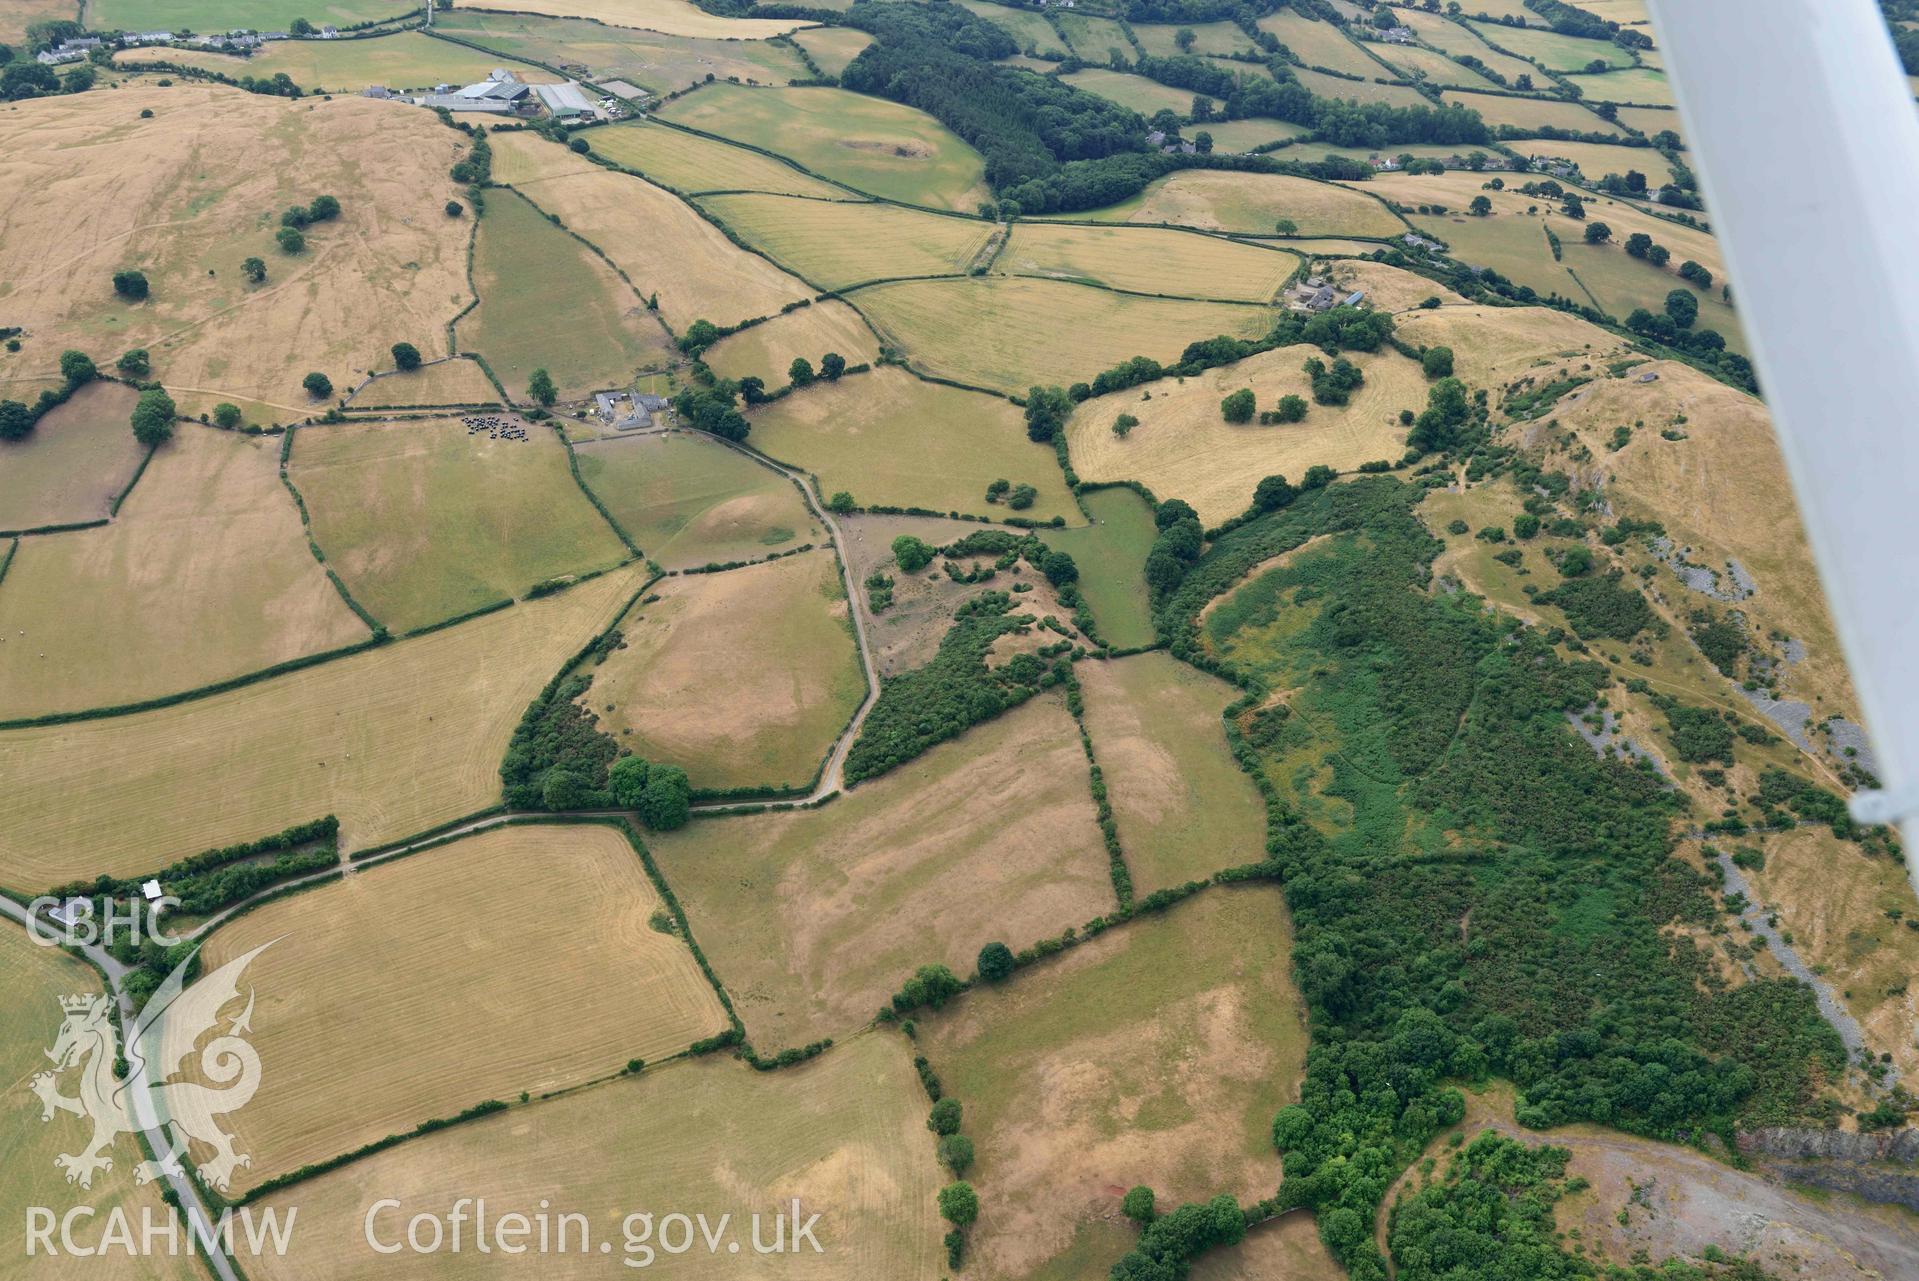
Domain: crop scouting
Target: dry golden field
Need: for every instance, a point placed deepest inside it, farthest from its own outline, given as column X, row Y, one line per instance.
column 1287, row 1248
column 1387, row 288
column 667, row 250
column 766, row 351
column 765, row 717
column 444, row 382
column 16, row 15
column 1184, row 807
column 1008, row 334
column 1157, row 1053
column 1492, row 346
column 1530, row 113
column 814, row 918
column 87, row 188
column 1458, row 39
column 73, row 463
column 1219, row 200
column 406, row 60
column 394, row 741
column 1375, row 89
column 833, row 48
column 1148, row 260
column 670, row 17
column 348, row 1056
column 1183, row 448
column 523, row 159
column 204, row 575
column 692, row 162
column 427, row 520
column 844, row 242
column 846, row 1134
column 892, row 439
column 1319, row 43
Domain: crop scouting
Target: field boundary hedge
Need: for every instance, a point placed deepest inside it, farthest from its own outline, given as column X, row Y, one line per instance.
column 306, row 526
column 573, row 465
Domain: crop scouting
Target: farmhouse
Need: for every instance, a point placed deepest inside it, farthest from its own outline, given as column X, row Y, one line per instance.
column 54, row 57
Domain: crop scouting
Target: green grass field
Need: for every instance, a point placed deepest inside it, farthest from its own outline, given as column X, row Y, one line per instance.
column 767, row 722
column 1111, row 555
column 766, row 351
column 1530, row 113
column 689, row 501
column 1597, row 159
column 425, row 521
column 1009, row 333
column 833, row 48
column 1253, row 204
column 1128, row 90
column 1457, row 38
column 1161, row 39
column 1319, row 43
column 1094, row 39
column 1234, row 136
column 892, row 439
column 73, row 463
column 650, row 59
column 1365, row 91
column 1150, row 260
column 867, row 143
column 692, row 163
column 1550, row 49
column 1184, row 807
column 232, row 15
column 1641, row 85
column 547, row 301
column 405, row 60
column 1032, row 31
column 847, row 242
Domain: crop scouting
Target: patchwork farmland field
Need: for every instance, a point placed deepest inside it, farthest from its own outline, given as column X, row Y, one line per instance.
column 1008, row 334
column 1111, row 555
column 765, row 722
column 659, row 60
column 1235, row 136
column 426, row 521
column 458, row 381
column 1598, row 159
column 668, row 17
column 1642, row 85
column 1319, row 43
column 1458, row 39
column 395, row 740
column 1184, row 448
column 1529, row 114
column 406, row 60
column 229, row 15
column 894, row 440
column 205, row 575
column 1033, row 32
column 845, row 242
column 831, row 47
column 525, row 159
column 1148, row 260
column 1128, row 90
column 1094, row 39
column 1161, row 39
column 1434, row 67
column 767, row 351
column 474, row 1022
column 867, row 143
column 1155, row 1054
column 77, row 460
column 785, row 903
column 1369, row 90
column 1253, row 203
column 548, row 302
column 848, row 1131
column 1550, row 49
column 691, row 162
column 690, row 501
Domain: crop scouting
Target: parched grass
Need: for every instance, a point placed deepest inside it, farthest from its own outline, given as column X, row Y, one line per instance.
column 204, row 576
column 1161, row 39
column 458, row 381
column 1597, row 159
column 1235, row 136
column 1417, row 61
column 1010, row 334
column 688, row 501
column 1147, row 260
column 669, row 17
column 1032, row 31
column 892, row 439
column 667, row 250
column 585, row 987
column 845, row 1134
column 1128, row 90
column 523, row 158
column 1111, row 555
column 1183, row 448
column 1551, row 50
column 1642, row 85
column 394, row 740
column 33, row 979
column 1218, row 200
column 222, row 15
column 88, row 187
column 844, row 242
column 691, row 162
column 833, row 48
column 426, row 521
column 662, row 63
column 404, row 60
column 764, row 717
column 766, row 351
column 1530, row 113
column 1185, row 808
column 1457, row 38
column 1365, row 91
column 1319, row 43
column 17, row 15
column 73, row 463
column 1653, row 120
column 547, row 301
column 1287, row 1248
column 1493, row 346
column 1156, row 1054
column 1094, row 38
column 869, row 144
column 815, row 917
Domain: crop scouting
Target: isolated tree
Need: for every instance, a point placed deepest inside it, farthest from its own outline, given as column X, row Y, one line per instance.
column 290, row 240
column 913, row 554
column 1437, row 362
column 323, row 209
column 1239, row 406
column 130, row 284
column 841, row 503
column 16, row 420
column 295, row 216
column 580, row 146
column 1137, row 1204
column 995, row 962
column 832, row 365
column 318, row 385
column 135, row 363
column 1203, row 143
column 540, row 386
column 1291, row 409
column 1123, row 425
column 1638, row 244
column 959, row 1203
column 300, row 27
column 1574, row 208
column 945, row 1116
column 667, row 802
column 1698, row 275
column 227, row 415
column 1525, row 526
column 1683, row 307
column 454, row 209
column 1184, row 38
column 1659, row 255
column 956, row 1153
column 627, row 781
column 153, row 417
column 77, row 368
column 1481, row 206
column 254, row 269
column 800, row 372
column 1597, row 233
column 752, row 390
column 406, row 356
column 1286, row 227
column 1059, row 568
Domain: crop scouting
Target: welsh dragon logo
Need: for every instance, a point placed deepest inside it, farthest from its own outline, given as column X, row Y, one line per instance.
column 162, row 1040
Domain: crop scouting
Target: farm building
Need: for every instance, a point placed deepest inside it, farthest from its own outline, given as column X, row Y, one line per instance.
column 500, row 86
column 565, row 101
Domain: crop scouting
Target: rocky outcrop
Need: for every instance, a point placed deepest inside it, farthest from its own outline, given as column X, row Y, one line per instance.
column 1882, row 1167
